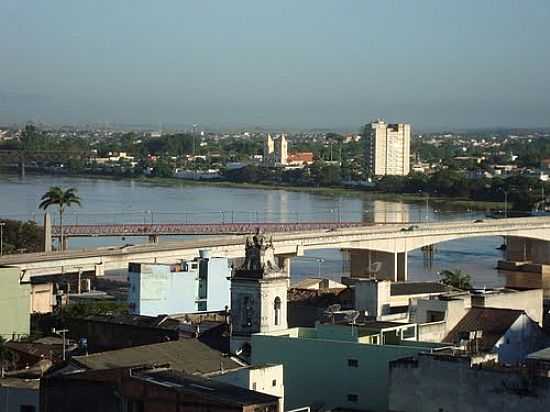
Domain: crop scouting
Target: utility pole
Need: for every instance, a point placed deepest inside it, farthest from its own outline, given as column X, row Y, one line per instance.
column 62, row 332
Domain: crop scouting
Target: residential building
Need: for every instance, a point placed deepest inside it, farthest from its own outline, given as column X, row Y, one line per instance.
column 509, row 333
column 337, row 366
column 199, row 285
column 191, row 357
column 387, row 150
column 147, row 389
column 453, row 382
column 19, row 395
column 15, row 304
column 318, row 284
column 300, row 158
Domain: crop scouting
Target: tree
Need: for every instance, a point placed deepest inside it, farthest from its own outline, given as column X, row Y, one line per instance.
column 22, row 237
column 62, row 198
column 456, row 278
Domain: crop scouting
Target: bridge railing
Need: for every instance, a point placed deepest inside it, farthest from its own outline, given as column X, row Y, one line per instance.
column 336, row 215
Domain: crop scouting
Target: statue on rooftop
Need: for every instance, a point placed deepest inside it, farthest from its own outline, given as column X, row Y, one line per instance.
column 259, row 255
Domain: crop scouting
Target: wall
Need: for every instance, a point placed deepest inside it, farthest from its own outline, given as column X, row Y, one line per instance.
column 12, row 398
column 373, row 296
column 453, row 310
column 219, row 284
column 15, row 304
column 258, row 378
column 316, row 372
column 155, row 290
column 528, row 300
column 524, row 337
column 450, row 385
column 42, row 298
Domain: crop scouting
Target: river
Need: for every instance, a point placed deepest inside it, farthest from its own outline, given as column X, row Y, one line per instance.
column 110, row 201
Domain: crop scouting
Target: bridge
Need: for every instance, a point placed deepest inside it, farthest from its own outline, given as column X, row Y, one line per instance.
column 166, row 229
column 386, row 245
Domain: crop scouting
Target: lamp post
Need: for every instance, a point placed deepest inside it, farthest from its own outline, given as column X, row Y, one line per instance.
column 505, row 202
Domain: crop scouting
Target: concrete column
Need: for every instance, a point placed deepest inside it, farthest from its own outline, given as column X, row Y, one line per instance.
column 540, row 251
column 366, row 263
column 100, row 270
column 519, row 249
column 154, row 239
column 47, row 239
column 402, row 264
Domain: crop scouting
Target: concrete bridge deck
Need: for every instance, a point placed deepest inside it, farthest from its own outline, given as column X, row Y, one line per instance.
column 391, row 239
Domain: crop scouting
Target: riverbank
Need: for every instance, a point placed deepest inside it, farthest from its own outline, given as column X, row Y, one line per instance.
column 459, row 203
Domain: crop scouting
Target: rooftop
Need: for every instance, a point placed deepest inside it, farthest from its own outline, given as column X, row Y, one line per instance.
column 492, row 322
column 185, row 355
column 418, row 288
column 18, row 383
column 206, row 387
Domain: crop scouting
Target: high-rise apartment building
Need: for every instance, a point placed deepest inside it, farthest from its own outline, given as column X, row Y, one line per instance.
column 387, row 148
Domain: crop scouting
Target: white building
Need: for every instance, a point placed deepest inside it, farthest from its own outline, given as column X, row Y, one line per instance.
column 200, row 285
column 275, row 150
column 387, row 150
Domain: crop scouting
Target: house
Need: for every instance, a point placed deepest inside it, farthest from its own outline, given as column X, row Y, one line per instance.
column 451, row 381
column 190, row 357
column 509, row 333
column 337, row 365
column 199, row 285
column 318, row 283
column 20, row 395
column 15, row 304
column 152, row 389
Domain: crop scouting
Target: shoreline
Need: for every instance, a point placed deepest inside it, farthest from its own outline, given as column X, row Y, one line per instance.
column 326, row 191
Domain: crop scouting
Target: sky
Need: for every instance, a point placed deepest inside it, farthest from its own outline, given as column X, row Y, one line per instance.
column 280, row 64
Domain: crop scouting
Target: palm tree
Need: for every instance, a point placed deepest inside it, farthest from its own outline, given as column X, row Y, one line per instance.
column 62, row 198
column 456, row 278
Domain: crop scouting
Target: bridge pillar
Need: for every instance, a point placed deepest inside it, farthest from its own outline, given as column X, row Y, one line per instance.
column 519, row 249
column 154, row 239
column 47, row 236
column 366, row 263
column 540, row 252
column 100, row 270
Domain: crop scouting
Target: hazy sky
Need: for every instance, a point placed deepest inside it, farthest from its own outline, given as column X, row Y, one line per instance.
column 286, row 63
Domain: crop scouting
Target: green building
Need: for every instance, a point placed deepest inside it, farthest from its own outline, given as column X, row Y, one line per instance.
column 333, row 366
column 15, row 304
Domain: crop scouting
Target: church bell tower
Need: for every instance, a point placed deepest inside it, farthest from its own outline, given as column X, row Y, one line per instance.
column 258, row 295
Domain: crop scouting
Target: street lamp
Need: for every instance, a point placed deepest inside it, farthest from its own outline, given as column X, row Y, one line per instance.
column 505, row 201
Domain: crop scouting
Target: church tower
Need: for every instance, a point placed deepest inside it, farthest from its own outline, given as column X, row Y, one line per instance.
column 269, row 148
column 258, row 295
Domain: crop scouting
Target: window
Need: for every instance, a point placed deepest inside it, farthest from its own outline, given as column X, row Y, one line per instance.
column 353, row 397
column 353, row 363
column 274, row 382
column 277, row 308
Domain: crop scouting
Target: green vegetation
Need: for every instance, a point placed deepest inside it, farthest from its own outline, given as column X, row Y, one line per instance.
column 96, row 308
column 19, row 237
column 56, row 196
column 456, row 278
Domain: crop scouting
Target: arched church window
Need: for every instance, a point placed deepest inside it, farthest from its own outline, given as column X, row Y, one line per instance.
column 277, row 308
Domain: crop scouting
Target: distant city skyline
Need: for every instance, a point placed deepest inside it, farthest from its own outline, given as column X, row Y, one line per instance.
column 284, row 65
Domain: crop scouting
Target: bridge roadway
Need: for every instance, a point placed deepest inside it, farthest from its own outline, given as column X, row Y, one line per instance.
column 390, row 239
